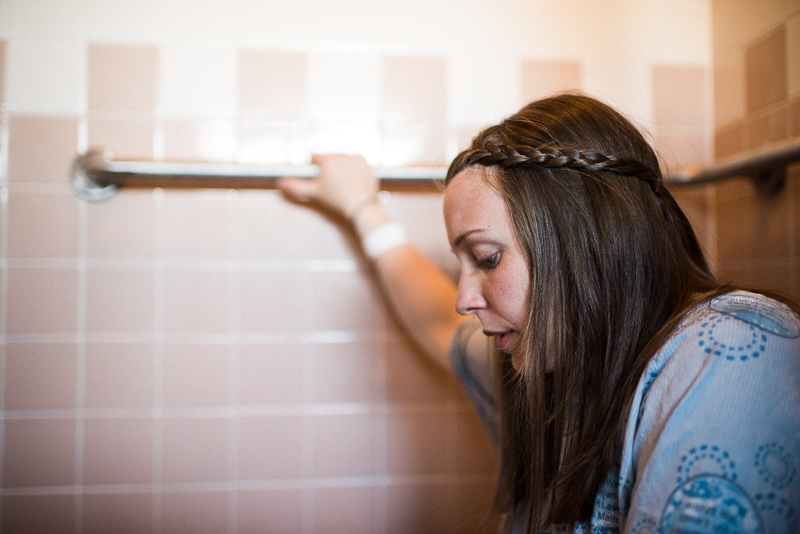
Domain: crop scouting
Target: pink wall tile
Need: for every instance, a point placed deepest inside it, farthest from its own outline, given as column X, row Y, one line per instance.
column 42, row 225
column 271, row 301
column 122, row 227
column 119, row 375
column 271, row 228
column 419, row 508
column 473, row 512
column 275, row 510
column 678, row 94
column 197, row 224
column 122, row 77
column 344, row 301
column 2, row 71
column 412, row 377
column 41, row 149
column 42, row 300
column 765, row 70
column 344, row 510
column 118, row 451
column 347, row 372
column 344, row 445
column 272, row 81
column 730, row 140
column 121, row 513
column 769, row 127
column 541, row 78
column 199, row 140
column 127, row 138
column 414, row 88
column 120, row 300
column 474, row 451
column 39, row 514
column 188, row 310
column 681, row 146
column 38, row 452
column 196, row 512
column 793, row 187
column 40, row 376
column 414, row 144
column 195, row 449
column 196, row 375
column 793, row 113
column 282, row 436
column 416, row 443
column 270, row 374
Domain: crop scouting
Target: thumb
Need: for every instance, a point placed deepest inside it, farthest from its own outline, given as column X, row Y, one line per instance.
column 299, row 189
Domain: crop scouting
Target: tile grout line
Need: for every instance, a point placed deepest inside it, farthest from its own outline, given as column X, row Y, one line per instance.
column 158, row 360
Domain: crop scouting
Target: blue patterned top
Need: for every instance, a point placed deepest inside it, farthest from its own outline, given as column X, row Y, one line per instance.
column 712, row 443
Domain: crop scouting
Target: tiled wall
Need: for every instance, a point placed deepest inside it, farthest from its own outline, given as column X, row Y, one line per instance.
column 215, row 361
column 757, row 102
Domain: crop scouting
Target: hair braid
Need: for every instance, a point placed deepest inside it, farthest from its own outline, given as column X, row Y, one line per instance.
column 561, row 157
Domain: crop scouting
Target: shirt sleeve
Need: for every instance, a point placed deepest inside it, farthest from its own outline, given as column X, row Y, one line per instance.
column 716, row 442
column 471, row 355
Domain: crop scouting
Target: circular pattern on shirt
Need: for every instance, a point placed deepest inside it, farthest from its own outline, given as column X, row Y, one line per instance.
column 646, row 525
column 709, row 503
column 775, row 465
column 737, row 345
column 768, row 315
column 707, row 458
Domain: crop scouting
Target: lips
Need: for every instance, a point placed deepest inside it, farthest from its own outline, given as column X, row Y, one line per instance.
column 505, row 340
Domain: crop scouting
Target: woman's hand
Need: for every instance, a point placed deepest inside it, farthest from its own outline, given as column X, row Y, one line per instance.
column 345, row 184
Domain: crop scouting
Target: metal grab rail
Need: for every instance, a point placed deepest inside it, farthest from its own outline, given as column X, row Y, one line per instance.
column 96, row 176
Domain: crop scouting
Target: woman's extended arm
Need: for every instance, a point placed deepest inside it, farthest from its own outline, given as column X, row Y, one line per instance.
column 420, row 295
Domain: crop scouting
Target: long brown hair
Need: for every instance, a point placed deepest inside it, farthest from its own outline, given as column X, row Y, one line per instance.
column 614, row 264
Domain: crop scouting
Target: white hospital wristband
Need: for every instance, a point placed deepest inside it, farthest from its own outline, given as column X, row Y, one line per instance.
column 383, row 239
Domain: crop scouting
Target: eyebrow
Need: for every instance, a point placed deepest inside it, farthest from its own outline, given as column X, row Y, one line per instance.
column 460, row 239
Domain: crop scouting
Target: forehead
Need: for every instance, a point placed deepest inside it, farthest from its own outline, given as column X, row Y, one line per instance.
column 472, row 203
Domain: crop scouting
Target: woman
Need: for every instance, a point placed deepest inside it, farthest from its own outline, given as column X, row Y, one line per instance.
column 630, row 391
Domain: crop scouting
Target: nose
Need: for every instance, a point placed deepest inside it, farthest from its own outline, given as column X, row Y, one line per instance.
column 469, row 298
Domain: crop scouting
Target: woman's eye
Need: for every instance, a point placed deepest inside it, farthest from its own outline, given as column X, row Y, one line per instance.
column 491, row 262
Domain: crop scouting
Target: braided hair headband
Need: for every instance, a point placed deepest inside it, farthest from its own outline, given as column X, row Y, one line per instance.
column 562, row 157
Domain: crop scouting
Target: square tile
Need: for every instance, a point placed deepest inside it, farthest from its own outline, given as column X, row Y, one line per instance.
column 281, row 436
column 198, row 224
column 120, row 300
column 272, row 301
column 124, row 227
column 48, row 76
column 345, row 445
column 199, row 140
column 199, row 79
column 42, row 225
column 278, row 510
column 263, row 219
column 119, row 375
column 344, row 510
column 419, row 508
column 416, row 443
column 415, row 89
column 272, row 82
column 679, row 95
column 40, row 376
column 42, row 300
column 120, row 513
column 412, row 377
column 542, row 78
column 729, row 88
column 122, row 77
column 128, row 138
column 344, row 301
column 41, row 149
column 188, row 310
column 38, row 452
column 194, row 512
column 347, row 372
column 39, row 514
column 118, row 451
column 271, row 374
column 765, row 70
column 196, row 375
column 343, row 83
column 195, row 449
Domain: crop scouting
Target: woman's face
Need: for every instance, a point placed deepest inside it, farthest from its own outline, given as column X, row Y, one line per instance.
column 494, row 281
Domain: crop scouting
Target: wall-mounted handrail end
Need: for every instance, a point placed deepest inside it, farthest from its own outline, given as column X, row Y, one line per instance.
column 81, row 182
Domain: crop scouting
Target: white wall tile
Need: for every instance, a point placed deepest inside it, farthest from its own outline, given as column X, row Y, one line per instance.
column 483, row 87
column 124, row 20
column 344, row 84
column 53, row 18
column 199, row 19
column 46, row 76
column 198, row 79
